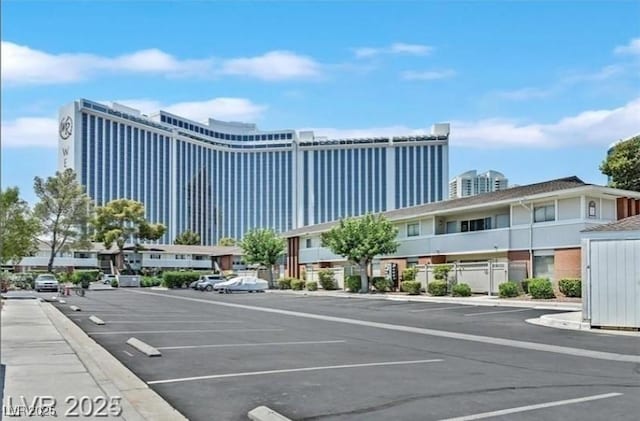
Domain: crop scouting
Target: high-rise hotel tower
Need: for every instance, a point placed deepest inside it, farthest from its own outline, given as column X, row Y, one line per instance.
column 221, row 179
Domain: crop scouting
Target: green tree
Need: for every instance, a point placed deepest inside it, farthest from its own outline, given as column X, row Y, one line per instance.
column 188, row 238
column 263, row 246
column 64, row 211
column 18, row 226
column 227, row 242
column 360, row 240
column 123, row 220
column 622, row 165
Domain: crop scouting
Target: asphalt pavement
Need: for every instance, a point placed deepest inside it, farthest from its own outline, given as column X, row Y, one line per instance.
column 326, row 358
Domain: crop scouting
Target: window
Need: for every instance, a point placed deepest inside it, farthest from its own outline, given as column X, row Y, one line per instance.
column 592, row 209
column 309, row 244
column 154, row 256
column 452, row 227
column 180, row 257
column 544, row 213
column 480, row 224
column 199, row 257
column 413, row 230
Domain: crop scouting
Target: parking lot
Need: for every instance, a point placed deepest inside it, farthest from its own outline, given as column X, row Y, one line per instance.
column 322, row 358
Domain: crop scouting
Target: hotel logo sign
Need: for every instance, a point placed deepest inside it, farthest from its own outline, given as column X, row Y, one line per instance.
column 66, row 127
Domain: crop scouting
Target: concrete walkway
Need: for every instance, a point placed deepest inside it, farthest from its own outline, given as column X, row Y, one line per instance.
column 47, row 355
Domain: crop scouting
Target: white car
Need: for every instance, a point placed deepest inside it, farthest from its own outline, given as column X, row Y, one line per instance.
column 46, row 282
column 108, row 278
column 242, row 283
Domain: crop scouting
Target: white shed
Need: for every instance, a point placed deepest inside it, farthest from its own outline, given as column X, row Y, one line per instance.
column 611, row 274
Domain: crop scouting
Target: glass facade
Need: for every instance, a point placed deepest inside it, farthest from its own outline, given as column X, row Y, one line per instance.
column 194, row 177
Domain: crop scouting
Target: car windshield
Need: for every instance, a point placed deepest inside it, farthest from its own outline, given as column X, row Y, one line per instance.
column 46, row 278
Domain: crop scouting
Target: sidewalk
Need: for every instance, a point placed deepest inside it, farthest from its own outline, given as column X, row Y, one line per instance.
column 48, row 356
column 479, row 300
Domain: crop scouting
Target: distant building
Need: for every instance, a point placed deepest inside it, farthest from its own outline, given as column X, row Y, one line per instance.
column 471, row 183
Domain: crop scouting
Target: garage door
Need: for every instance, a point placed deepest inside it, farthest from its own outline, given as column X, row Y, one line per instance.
column 615, row 283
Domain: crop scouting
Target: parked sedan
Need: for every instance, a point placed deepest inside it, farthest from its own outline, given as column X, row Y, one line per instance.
column 208, row 282
column 243, row 283
column 46, row 282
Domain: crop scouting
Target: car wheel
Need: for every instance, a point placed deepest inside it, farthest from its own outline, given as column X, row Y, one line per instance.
column 209, row 288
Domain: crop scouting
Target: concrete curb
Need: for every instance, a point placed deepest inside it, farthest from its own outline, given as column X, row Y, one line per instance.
column 572, row 321
column 96, row 320
column 139, row 402
column 263, row 413
column 484, row 301
column 143, row 347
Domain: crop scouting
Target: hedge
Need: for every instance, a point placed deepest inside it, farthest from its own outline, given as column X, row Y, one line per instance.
column 409, row 274
column 84, row 277
column 571, row 287
column 285, row 283
column 508, row 289
column 381, row 283
column 179, row 279
column 437, row 288
column 297, row 284
column 312, row 286
column 541, row 288
column 461, row 290
column 325, row 276
column 353, row 283
column 412, row 287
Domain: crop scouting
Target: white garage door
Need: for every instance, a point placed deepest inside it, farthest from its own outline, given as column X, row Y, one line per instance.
column 615, row 283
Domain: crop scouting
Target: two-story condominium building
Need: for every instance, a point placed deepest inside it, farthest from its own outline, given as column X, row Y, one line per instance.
column 156, row 257
column 531, row 230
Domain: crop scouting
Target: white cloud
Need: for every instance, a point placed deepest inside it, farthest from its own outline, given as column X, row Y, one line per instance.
column 43, row 131
column 633, row 48
column 274, row 65
column 395, row 48
column 428, row 74
column 22, row 65
column 526, row 93
column 597, row 127
column 27, row 132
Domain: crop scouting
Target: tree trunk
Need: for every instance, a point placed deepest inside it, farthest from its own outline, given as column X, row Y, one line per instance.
column 270, row 274
column 50, row 264
column 364, row 277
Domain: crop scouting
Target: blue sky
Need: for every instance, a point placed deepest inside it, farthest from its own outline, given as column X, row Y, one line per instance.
column 536, row 90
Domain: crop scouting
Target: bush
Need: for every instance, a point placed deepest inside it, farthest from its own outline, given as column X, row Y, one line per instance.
column 441, row 272
column 571, row 287
column 179, row 279
column 508, row 289
column 84, row 277
column 412, row 287
column 285, row 283
column 312, row 286
column 541, row 288
column 297, row 284
column 409, row 274
column 353, row 283
column 461, row 290
column 325, row 276
column 114, row 283
column 381, row 283
column 437, row 288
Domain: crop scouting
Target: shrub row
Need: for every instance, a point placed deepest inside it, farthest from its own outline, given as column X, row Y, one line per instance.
column 381, row 283
column 571, row 287
column 353, row 283
column 461, row 290
column 179, row 279
column 297, row 284
column 150, row 281
column 508, row 289
column 312, row 286
column 412, row 287
column 437, row 288
column 325, row 276
column 85, row 277
column 541, row 288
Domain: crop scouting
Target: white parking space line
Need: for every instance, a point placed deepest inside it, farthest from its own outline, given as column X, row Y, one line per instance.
column 251, row 344
column 497, row 312
column 531, row 407
column 513, row 343
column 122, row 332
column 291, row 370
column 171, row 321
column 436, row 309
column 128, row 353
